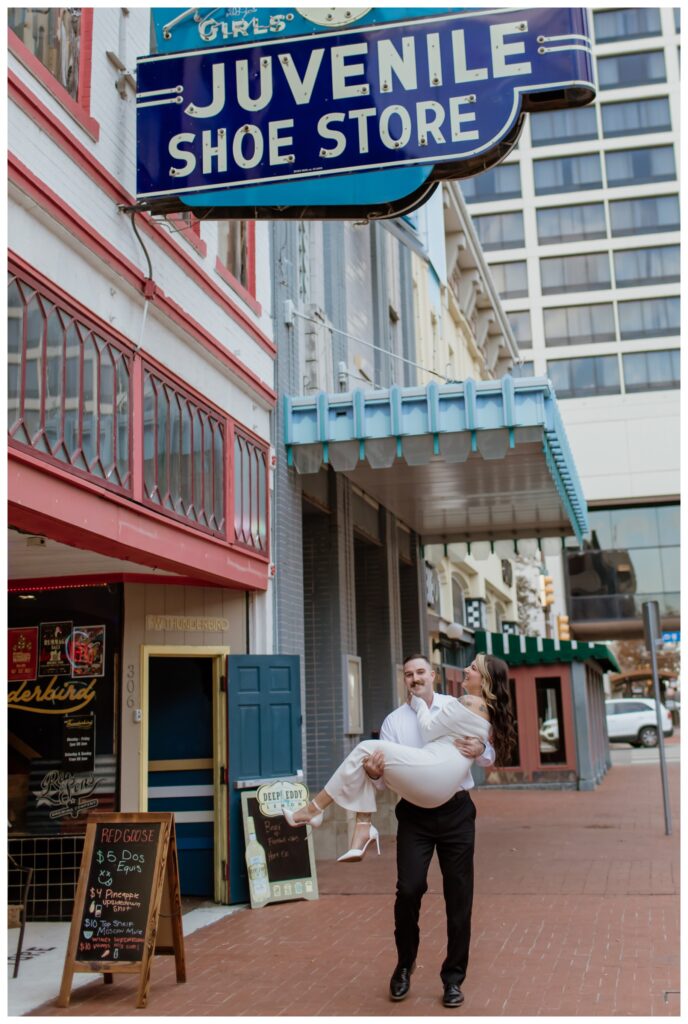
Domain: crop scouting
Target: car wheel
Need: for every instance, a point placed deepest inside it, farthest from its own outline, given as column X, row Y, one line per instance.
column 648, row 736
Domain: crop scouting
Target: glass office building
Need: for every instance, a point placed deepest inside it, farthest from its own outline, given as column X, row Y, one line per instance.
column 580, row 226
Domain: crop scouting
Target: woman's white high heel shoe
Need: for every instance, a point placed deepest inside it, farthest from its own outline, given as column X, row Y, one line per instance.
column 355, row 855
column 315, row 821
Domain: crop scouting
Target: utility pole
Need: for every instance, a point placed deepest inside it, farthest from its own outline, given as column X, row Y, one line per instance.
column 653, row 632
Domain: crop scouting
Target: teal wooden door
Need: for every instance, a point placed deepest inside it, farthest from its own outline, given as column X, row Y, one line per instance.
column 264, row 709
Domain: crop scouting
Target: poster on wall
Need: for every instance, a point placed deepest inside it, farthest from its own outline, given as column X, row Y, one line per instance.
column 85, row 649
column 79, row 742
column 22, row 653
column 52, row 657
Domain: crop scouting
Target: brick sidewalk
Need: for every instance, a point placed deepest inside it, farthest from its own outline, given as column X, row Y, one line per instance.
column 576, row 913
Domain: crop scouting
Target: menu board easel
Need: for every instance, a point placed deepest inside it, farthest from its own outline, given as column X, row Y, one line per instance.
column 128, row 904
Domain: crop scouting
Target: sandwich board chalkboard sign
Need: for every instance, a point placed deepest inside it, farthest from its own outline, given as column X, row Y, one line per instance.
column 280, row 859
column 128, row 904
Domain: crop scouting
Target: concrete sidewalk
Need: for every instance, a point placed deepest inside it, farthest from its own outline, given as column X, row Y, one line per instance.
column 576, row 913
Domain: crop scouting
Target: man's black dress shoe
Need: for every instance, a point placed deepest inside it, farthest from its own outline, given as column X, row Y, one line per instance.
column 400, row 982
column 453, row 996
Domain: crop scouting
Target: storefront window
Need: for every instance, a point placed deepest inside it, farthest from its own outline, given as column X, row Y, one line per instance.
column 550, row 721
column 64, row 649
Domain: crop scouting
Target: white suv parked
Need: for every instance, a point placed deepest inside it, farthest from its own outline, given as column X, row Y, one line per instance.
column 634, row 720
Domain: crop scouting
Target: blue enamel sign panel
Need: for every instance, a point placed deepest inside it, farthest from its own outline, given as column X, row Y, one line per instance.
column 315, row 120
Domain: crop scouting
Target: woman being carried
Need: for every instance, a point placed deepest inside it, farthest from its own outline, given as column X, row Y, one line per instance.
column 428, row 776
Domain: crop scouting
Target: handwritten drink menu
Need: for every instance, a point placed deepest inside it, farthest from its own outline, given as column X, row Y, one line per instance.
column 118, row 893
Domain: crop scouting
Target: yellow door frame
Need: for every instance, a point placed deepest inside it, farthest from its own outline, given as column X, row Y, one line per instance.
column 220, row 752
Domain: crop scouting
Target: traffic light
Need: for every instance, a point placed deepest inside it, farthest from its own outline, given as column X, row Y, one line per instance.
column 563, row 628
column 546, row 591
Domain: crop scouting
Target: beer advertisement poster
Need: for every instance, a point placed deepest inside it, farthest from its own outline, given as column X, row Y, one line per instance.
column 52, row 649
column 86, row 651
column 22, row 653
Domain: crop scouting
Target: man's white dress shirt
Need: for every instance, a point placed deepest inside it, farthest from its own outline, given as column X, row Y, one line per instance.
column 401, row 726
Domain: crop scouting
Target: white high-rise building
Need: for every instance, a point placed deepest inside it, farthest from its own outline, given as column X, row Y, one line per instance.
column 581, row 228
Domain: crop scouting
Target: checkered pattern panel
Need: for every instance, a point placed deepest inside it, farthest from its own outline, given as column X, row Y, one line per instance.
column 475, row 613
column 510, row 628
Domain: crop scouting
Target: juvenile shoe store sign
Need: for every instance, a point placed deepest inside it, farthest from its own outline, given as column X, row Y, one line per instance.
column 254, row 113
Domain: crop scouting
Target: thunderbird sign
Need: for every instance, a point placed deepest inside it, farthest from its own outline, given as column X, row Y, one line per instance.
column 294, row 119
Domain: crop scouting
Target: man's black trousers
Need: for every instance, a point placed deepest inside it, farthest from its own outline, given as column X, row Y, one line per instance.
column 449, row 829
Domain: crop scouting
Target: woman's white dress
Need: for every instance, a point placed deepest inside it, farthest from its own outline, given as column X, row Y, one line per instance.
column 426, row 776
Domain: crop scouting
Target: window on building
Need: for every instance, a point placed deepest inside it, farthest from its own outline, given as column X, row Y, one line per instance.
column 68, row 386
column 626, row 23
column 583, row 378
column 571, row 223
column 649, row 318
column 550, row 721
column 524, row 369
column 636, row 117
column 510, row 279
column 586, row 272
column 629, row 69
column 235, row 251
column 53, row 36
column 640, row 166
column 658, row 265
column 677, row 18
column 458, row 602
column 501, row 182
column 250, row 494
column 551, row 127
column 500, row 230
column 183, row 454
column 644, row 216
column 651, row 371
column 579, row 325
column 634, row 557
column 567, row 174
column 521, row 328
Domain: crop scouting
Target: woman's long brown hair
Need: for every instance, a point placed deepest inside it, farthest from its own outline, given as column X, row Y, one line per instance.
column 495, row 676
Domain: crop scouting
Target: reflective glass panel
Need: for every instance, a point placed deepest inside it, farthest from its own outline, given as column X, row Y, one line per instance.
column 587, row 272
column 578, row 325
column 549, row 127
column 501, row 182
column 644, row 216
column 567, row 174
column 550, row 721
column 571, row 223
column 649, row 318
column 626, row 23
column 635, row 117
column 500, row 230
column 629, row 69
column 640, row 166
column 658, row 265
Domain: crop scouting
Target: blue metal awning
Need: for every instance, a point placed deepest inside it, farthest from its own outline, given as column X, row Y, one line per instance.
column 476, row 460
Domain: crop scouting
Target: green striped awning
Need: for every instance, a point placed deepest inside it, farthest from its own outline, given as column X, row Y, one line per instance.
column 537, row 650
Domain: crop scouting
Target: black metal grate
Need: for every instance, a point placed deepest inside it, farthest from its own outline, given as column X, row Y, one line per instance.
column 56, row 861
